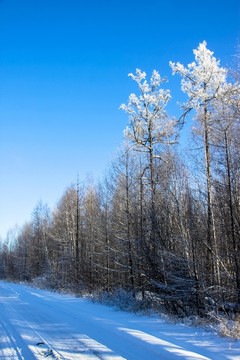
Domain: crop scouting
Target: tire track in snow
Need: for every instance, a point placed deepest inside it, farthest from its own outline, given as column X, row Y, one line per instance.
column 15, row 343
column 42, row 347
column 12, row 346
column 7, row 345
column 26, row 343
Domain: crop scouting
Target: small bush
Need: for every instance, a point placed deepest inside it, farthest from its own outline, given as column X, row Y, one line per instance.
column 124, row 300
column 229, row 328
column 222, row 324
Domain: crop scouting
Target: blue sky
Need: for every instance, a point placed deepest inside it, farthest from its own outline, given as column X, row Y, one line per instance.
column 63, row 76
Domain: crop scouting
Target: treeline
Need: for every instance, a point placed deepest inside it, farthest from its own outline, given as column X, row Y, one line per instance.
column 161, row 224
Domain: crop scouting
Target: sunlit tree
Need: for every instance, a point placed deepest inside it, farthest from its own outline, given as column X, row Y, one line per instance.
column 149, row 127
column 204, row 81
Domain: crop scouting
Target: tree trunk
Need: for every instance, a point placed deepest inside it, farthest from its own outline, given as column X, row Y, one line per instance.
column 232, row 227
column 213, row 262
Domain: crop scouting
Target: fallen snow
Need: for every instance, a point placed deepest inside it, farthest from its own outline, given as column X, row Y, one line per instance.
column 38, row 324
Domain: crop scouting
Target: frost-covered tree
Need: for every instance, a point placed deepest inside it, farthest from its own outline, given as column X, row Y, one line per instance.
column 148, row 121
column 205, row 83
column 226, row 167
column 149, row 127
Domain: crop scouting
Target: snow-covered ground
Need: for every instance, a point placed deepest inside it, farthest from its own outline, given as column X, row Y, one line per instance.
column 38, row 324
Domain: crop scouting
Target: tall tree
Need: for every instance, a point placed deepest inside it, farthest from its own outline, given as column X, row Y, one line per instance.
column 64, row 250
column 39, row 250
column 204, row 81
column 149, row 127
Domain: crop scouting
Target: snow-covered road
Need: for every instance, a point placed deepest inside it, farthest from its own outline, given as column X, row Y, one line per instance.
column 37, row 324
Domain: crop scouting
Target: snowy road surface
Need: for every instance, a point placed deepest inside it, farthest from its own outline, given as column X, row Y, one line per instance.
column 37, row 324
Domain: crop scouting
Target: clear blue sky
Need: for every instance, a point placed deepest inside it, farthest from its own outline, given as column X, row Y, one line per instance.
column 63, row 76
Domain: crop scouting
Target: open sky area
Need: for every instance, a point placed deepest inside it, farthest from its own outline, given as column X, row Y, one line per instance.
column 63, row 76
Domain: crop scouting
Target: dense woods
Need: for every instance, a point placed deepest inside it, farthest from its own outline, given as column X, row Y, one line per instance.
column 164, row 223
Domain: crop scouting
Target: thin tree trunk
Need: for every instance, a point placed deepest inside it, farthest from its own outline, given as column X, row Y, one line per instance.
column 232, row 227
column 213, row 262
column 77, row 236
column 130, row 252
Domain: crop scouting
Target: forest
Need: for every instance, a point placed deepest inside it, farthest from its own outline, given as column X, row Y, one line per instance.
column 163, row 224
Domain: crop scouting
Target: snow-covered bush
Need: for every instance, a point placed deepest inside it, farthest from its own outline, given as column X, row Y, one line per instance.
column 229, row 328
column 122, row 299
